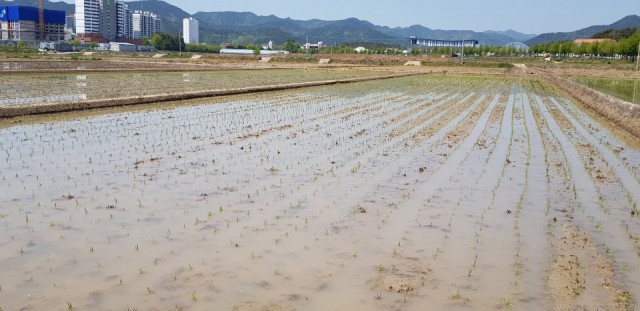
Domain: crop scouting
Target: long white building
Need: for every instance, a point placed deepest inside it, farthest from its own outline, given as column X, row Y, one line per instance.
column 191, row 30
column 430, row 43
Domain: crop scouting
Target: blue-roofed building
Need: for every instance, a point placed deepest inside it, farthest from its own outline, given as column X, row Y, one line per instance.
column 20, row 23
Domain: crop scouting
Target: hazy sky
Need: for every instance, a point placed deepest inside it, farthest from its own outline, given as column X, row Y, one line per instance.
column 528, row 16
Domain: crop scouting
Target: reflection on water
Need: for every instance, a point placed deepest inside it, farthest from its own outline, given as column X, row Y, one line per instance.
column 43, row 99
column 36, row 88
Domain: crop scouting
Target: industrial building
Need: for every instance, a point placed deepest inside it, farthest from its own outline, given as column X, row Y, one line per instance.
column 313, row 46
column 433, row 43
column 58, row 46
column 145, row 24
column 251, row 52
column 191, row 30
column 122, row 47
column 21, row 23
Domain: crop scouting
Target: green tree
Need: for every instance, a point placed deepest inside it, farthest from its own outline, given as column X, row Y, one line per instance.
column 93, row 45
column 22, row 45
column 291, row 45
column 166, row 42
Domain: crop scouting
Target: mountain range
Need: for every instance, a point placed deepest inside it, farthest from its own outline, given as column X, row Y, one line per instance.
column 249, row 28
column 630, row 21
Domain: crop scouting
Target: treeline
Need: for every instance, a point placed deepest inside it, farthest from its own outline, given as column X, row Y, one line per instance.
column 166, row 42
column 627, row 47
column 614, row 34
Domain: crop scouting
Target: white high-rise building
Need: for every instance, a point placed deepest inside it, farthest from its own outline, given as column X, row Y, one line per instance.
column 191, row 30
column 124, row 29
column 96, row 17
column 145, row 24
column 87, row 16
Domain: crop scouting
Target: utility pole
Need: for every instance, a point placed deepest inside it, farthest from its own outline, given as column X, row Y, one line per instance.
column 560, row 52
column 41, row 21
column 463, row 51
column 307, row 47
column 638, row 58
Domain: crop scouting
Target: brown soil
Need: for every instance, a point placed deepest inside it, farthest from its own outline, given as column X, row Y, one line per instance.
column 580, row 275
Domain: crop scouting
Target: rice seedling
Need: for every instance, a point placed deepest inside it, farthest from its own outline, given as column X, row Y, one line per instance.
column 507, row 302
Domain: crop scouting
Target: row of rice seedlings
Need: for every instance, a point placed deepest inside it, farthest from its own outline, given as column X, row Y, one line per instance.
column 443, row 145
column 592, row 216
column 602, row 137
column 91, row 247
column 375, row 151
column 621, row 169
column 509, row 126
column 518, row 259
column 383, row 222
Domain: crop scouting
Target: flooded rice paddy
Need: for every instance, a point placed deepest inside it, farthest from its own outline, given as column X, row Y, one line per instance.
column 36, row 88
column 454, row 193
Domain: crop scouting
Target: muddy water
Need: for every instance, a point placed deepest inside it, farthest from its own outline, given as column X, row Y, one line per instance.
column 400, row 194
column 30, row 88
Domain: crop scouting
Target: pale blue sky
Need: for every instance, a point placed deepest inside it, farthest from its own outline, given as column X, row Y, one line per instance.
column 528, row 16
